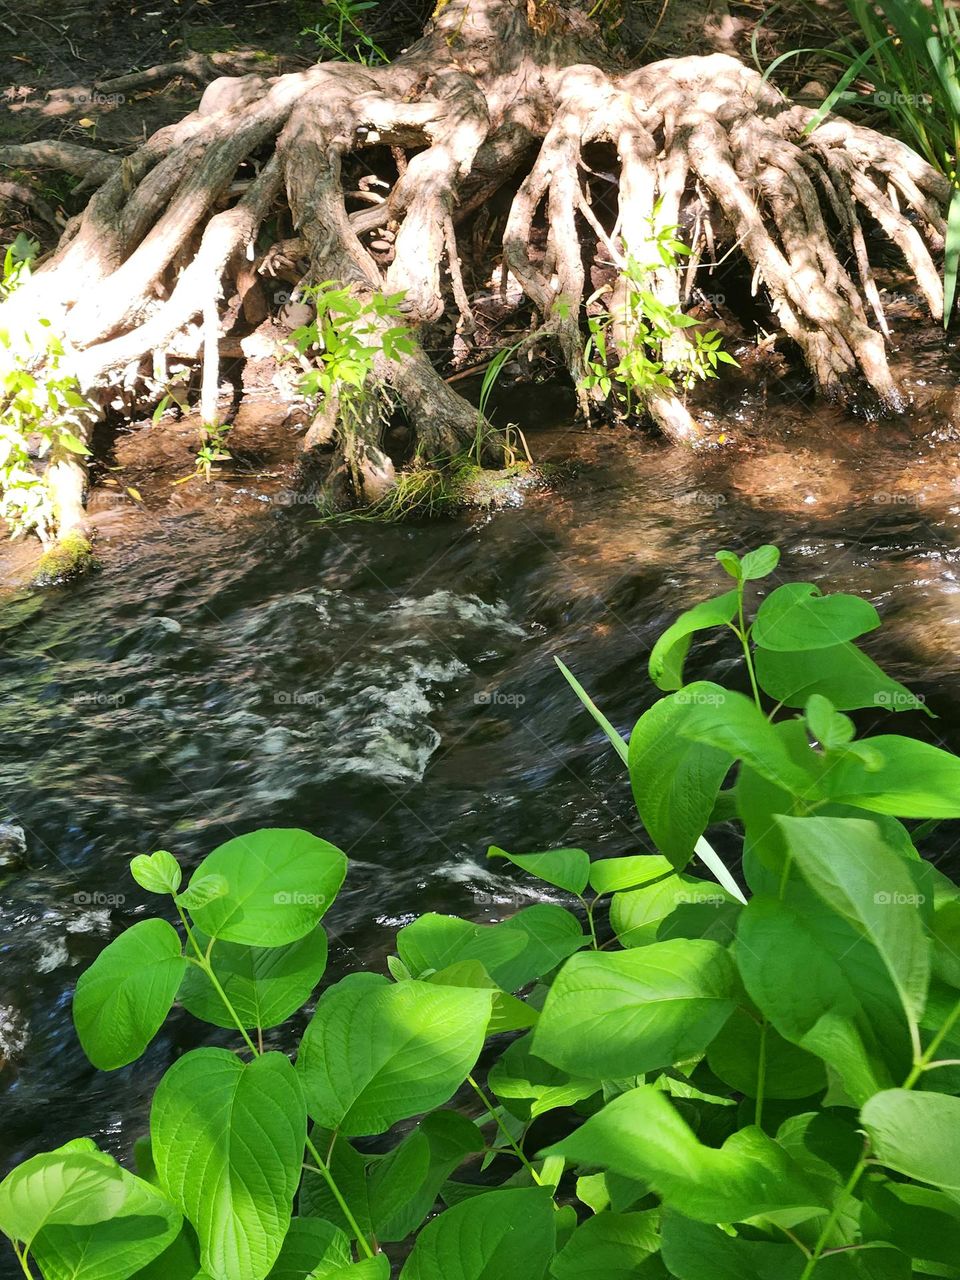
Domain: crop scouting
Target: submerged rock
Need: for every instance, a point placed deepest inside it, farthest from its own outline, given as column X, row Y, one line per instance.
column 71, row 557
column 13, row 846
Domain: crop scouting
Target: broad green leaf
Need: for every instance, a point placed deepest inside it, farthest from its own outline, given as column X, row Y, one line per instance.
column 732, row 723
column 843, row 673
column 179, row 1261
column 612, row 1246
column 845, row 1010
column 311, row 1247
column 916, row 1134
column 375, row 1268
column 75, row 1184
column 759, row 563
column 349, row 1171
column 281, row 881
column 404, row 1184
column 904, row 777
column 620, row 1014
column 228, row 1140
column 670, row 651
column 121, row 1001
column 508, row 1013
column 613, row 875
column 157, row 873
column 641, row 1135
column 201, row 891
column 376, row 1052
column 642, row 916
column 798, row 616
column 828, row 726
column 565, row 868
column 501, row 1233
column 744, row 1055
column 137, row 1231
column 731, row 563
column 514, row 952
column 675, row 781
column 265, row 985
column 921, row 1222
column 848, row 864
column 529, row 1087
column 702, row 1251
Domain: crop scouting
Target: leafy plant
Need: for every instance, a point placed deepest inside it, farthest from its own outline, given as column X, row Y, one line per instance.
column 341, row 35
column 41, row 408
column 666, row 1079
column 634, row 349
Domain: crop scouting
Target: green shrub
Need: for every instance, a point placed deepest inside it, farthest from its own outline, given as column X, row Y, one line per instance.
column 700, row 1081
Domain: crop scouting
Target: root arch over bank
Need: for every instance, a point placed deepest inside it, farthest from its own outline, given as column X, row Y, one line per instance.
column 499, row 96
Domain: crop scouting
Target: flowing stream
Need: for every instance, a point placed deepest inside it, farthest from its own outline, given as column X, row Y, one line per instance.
column 393, row 689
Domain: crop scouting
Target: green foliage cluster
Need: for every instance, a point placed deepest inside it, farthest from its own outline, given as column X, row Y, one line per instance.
column 41, row 407
column 680, row 1079
column 341, row 36
column 345, row 340
column 651, row 357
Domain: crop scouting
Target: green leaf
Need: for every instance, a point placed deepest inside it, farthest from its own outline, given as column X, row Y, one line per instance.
column 376, row 1052
column 612, row 875
column 798, row 616
column 759, row 563
column 75, row 1184
column 612, row 1246
column 675, row 781
column 508, row 1013
column 201, row 891
column 404, row 1184
column 670, row 651
column 228, row 1140
column 122, row 1000
column 72, row 443
column 843, row 673
column 916, row 1134
column 529, row 1086
column 845, row 1011
column 616, row 738
column 137, row 1231
column 829, row 727
column 951, row 257
column 903, row 777
column 281, row 881
column 501, row 1233
column 311, row 1247
column 702, row 1251
column 348, row 1169
column 565, row 868
column 641, row 916
column 265, row 985
column 736, row 1054
column 617, row 1015
column 731, row 563
column 848, row 864
column 158, row 873
column 917, row 1220
column 642, row 1136
column 514, row 952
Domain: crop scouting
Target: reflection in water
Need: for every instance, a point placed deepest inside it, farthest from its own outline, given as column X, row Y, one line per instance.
column 393, row 690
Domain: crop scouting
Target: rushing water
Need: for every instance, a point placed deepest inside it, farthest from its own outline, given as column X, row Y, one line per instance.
column 393, row 689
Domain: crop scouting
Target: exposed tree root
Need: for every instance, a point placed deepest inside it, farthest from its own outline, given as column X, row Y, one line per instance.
column 173, row 239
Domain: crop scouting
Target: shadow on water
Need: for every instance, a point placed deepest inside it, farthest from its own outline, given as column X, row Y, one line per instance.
column 393, row 689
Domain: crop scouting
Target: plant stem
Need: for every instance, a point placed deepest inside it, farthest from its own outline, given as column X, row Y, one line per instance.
column 491, row 1109
column 204, row 962
column 588, row 907
column 338, row 1196
column 22, row 1259
column 744, row 635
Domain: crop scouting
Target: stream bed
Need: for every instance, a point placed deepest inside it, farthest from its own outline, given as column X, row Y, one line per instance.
column 393, row 689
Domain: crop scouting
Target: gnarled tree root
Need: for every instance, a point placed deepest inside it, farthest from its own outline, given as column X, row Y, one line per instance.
column 173, row 231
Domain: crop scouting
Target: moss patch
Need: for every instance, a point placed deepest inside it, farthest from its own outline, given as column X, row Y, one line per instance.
column 71, row 557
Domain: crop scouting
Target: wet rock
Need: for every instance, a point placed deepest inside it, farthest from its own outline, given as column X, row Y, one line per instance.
column 13, row 846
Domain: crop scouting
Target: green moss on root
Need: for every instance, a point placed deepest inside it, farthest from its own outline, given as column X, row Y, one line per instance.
column 70, row 558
